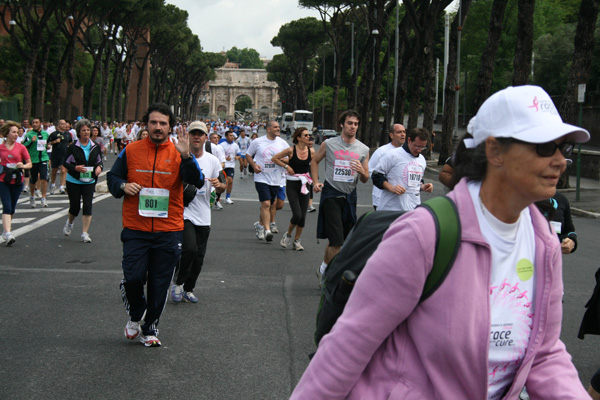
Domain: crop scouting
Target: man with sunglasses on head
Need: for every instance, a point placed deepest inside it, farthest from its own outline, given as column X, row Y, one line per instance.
column 397, row 139
column 399, row 174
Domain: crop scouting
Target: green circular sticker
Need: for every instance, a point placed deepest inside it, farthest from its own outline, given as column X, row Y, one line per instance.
column 524, row 269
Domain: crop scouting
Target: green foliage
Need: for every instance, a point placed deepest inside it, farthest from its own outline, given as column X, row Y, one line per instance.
column 300, row 39
column 242, row 103
column 554, row 27
column 316, row 100
column 247, row 58
column 11, row 66
column 553, row 52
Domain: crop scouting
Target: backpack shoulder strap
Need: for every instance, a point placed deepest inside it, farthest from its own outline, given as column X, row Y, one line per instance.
column 447, row 243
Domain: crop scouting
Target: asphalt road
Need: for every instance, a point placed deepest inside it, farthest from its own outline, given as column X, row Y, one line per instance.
column 249, row 336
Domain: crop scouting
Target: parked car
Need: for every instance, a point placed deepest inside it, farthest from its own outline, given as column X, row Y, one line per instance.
column 323, row 134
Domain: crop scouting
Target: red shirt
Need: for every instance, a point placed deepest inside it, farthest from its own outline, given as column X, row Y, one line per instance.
column 17, row 154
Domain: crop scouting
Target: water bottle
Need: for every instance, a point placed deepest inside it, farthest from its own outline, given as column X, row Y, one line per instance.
column 345, row 285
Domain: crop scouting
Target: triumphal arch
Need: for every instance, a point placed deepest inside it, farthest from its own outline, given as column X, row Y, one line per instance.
column 231, row 84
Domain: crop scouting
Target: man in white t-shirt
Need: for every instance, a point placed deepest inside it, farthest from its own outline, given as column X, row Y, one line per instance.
column 232, row 153
column 120, row 133
column 196, row 218
column 399, row 174
column 243, row 142
column 397, row 137
column 267, row 176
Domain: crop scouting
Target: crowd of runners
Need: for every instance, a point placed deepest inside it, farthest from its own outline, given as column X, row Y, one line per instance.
column 171, row 174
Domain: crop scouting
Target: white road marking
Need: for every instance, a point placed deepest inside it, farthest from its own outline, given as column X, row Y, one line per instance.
column 50, row 218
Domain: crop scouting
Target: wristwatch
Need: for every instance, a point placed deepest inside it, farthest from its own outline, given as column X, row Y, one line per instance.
column 122, row 187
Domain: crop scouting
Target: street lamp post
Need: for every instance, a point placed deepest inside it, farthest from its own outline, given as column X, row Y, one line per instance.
column 397, row 46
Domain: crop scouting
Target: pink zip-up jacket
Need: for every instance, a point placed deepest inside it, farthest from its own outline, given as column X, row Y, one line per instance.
column 387, row 346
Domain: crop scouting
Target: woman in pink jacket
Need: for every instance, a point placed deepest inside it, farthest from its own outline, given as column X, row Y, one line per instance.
column 493, row 326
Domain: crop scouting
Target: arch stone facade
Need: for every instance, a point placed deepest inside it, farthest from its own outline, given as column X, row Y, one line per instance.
column 230, row 84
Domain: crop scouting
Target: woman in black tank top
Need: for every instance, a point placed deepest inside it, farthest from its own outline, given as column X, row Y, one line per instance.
column 296, row 162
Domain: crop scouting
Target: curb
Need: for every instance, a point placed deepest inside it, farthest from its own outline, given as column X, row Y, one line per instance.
column 102, row 187
column 583, row 213
column 574, row 210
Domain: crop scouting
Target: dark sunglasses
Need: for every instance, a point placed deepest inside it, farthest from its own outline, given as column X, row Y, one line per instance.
column 549, row 148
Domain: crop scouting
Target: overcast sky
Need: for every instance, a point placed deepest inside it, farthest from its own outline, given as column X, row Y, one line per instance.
column 222, row 24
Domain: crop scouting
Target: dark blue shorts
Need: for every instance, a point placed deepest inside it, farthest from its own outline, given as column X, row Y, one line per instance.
column 230, row 172
column 266, row 192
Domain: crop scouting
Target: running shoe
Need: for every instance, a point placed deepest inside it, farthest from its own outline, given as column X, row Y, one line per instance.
column 297, row 245
column 218, row 205
column 85, row 238
column 132, row 330
column 260, row 231
column 176, row 293
column 32, row 202
column 286, row 240
column 38, row 194
column 228, row 200
column 61, row 190
column 52, row 189
column 311, row 209
column 8, row 238
column 274, row 227
column 150, row 340
column 68, row 228
column 268, row 236
column 190, row 297
column 104, row 158
column 44, row 202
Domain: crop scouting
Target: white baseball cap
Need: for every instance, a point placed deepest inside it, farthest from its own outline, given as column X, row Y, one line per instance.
column 525, row 113
column 198, row 126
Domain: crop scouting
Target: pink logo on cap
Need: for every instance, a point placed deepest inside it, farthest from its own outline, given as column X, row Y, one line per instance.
column 535, row 104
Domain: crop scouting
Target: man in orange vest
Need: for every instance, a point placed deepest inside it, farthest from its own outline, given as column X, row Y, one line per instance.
column 150, row 174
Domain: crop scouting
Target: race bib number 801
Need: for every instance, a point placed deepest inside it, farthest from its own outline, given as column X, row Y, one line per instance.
column 154, row 203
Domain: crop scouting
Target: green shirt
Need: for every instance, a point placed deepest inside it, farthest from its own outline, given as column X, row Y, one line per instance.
column 32, row 146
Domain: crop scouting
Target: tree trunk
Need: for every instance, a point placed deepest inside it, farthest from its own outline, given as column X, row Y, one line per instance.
column 28, row 83
column 116, row 83
column 523, row 51
column 105, row 73
column 451, row 86
column 89, row 97
column 429, row 99
column 129, row 68
column 488, row 58
column 580, row 67
column 70, row 84
column 40, row 80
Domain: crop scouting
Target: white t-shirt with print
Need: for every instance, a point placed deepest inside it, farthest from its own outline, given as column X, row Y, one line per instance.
column 231, row 150
column 512, row 292
column 262, row 150
column 198, row 211
column 373, row 161
column 401, row 168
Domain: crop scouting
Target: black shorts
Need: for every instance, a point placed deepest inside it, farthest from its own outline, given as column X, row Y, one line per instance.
column 266, row 192
column 40, row 168
column 57, row 159
column 334, row 226
column 229, row 172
